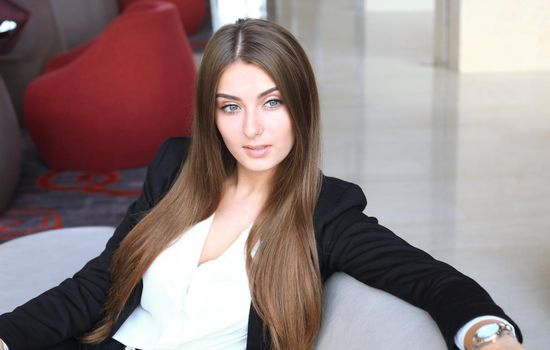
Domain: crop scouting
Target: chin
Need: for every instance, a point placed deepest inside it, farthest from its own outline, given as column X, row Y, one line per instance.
column 257, row 166
column 258, row 169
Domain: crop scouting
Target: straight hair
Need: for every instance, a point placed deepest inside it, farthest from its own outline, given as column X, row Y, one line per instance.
column 284, row 274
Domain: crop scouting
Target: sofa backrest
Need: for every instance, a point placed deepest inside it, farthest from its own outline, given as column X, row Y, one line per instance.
column 10, row 149
column 54, row 26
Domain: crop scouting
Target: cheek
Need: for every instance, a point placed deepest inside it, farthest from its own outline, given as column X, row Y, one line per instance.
column 224, row 129
column 287, row 136
column 289, row 132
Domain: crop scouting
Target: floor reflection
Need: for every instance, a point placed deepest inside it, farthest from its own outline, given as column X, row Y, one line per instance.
column 456, row 164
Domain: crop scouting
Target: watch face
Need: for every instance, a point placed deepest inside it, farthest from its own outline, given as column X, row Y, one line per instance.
column 487, row 330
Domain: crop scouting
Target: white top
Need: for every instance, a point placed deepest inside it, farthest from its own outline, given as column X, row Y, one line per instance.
column 192, row 306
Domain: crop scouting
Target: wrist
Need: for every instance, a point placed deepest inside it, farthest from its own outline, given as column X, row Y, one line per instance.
column 488, row 333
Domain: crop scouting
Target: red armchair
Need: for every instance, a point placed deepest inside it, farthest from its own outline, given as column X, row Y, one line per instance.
column 110, row 103
column 191, row 12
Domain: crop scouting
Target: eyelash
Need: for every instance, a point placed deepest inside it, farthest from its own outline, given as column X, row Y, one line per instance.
column 278, row 104
column 226, row 110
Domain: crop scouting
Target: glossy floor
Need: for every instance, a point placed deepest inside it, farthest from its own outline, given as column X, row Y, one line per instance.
column 456, row 164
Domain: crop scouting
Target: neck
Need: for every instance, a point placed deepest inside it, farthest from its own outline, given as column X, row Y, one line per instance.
column 251, row 183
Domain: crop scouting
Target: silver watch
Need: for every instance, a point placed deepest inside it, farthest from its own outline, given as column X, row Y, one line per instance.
column 490, row 333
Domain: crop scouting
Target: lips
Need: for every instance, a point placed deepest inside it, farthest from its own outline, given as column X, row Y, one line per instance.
column 257, row 151
column 256, row 147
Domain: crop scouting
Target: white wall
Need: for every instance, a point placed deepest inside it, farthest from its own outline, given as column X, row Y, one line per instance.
column 398, row 5
column 504, row 35
column 491, row 36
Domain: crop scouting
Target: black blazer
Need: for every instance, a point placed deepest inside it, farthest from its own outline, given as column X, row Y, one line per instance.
column 347, row 241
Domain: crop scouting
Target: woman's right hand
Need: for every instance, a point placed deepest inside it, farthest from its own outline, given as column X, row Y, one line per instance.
column 1, row 344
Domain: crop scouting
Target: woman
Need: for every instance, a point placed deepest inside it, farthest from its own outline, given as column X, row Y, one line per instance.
column 237, row 229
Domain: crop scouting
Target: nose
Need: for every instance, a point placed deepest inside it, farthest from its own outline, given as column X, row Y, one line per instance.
column 252, row 124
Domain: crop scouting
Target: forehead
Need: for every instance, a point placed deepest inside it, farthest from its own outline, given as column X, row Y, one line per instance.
column 241, row 78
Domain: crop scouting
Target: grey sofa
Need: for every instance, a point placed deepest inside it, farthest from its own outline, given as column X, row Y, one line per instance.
column 10, row 149
column 355, row 316
column 54, row 26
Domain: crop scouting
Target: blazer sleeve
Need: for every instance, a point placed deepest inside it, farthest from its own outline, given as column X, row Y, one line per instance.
column 358, row 245
column 76, row 305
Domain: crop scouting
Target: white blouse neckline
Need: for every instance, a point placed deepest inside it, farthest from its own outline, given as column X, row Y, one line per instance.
column 185, row 305
column 236, row 243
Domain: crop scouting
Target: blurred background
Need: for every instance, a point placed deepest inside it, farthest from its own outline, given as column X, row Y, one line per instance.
column 438, row 109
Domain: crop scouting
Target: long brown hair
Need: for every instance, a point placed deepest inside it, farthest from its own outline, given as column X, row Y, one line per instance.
column 284, row 273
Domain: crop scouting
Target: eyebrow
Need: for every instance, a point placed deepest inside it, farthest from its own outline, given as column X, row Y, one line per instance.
column 239, row 99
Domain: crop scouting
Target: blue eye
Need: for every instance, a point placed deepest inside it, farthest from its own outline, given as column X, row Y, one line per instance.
column 273, row 103
column 230, row 108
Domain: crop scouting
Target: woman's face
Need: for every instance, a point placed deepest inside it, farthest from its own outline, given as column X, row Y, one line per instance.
column 252, row 118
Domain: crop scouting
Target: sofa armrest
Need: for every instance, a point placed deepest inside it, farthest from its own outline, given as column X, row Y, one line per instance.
column 357, row 316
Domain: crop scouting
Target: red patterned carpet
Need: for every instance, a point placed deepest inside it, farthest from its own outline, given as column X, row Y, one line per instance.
column 48, row 199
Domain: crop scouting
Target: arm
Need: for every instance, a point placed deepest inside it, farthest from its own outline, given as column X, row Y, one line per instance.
column 359, row 246
column 75, row 306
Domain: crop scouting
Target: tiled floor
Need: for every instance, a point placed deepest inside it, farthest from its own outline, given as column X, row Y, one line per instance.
column 456, row 164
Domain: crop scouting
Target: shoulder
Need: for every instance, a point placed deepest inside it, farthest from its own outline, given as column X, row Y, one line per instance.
column 339, row 217
column 165, row 166
column 340, row 203
column 173, row 150
column 337, row 196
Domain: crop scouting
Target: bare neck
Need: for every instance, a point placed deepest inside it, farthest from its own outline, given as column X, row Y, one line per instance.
column 251, row 184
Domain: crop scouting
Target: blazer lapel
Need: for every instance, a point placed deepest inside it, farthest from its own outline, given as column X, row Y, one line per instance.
column 257, row 339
